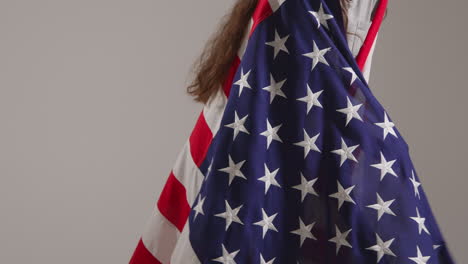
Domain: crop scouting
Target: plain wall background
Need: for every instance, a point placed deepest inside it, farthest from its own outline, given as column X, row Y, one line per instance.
column 93, row 112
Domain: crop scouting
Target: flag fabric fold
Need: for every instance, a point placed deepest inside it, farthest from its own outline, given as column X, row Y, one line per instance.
column 296, row 162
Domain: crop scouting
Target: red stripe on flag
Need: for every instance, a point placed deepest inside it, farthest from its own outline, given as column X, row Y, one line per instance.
column 142, row 255
column 262, row 11
column 372, row 34
column 230, row 77
column 200, row 140
column 173, row 202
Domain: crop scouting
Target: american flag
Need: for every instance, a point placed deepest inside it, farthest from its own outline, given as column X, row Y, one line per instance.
column 297, row 161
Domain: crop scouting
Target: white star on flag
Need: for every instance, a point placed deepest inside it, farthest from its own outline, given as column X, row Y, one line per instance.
column 385, row 167
column 269, row 179
column 416, row 185
column 279, row 44
column 230, row 215
column 321, row 17
column 388, row 127
column 262, row 260
column 275, row 88
column 304, row 231
column 227, row 258
column 267, row 222
column 382, row 207
column 311, row 99
column 340, row 239
column 306, row 187
column 353, row 74
column 234, row 170
column 271, row 133
column 308, row 143
column 420, row 259
column 346, row 152
column 420, row 221
column 243, row 81
column 317, row 55
column 208, row 170
column 343, row 195
column 351, row 111
column 238, row 125
column 199, row 207
column 382, row 248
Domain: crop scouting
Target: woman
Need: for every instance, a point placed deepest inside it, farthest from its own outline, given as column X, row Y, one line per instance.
column 293, row 160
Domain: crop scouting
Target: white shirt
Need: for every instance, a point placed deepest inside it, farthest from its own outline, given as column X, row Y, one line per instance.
column 359, row 22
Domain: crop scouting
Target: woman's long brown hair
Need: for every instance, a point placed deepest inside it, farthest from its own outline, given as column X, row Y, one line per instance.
column 212, row 66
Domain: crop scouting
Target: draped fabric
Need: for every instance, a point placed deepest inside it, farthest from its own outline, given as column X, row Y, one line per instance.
column 297, row 162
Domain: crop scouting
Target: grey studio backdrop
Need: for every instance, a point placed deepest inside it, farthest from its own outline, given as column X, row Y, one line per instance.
column 93, row 113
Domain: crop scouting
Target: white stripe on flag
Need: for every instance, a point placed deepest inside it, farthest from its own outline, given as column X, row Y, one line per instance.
column 214, row 109
column 183, row 253
column 276, row 4
column 160, row 237
column 245, row 40
column 188, row 174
